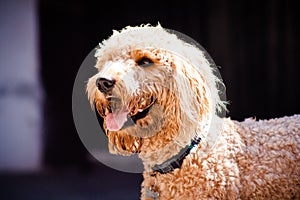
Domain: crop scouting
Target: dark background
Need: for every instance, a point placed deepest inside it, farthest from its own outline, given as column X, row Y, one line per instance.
column 255, row 43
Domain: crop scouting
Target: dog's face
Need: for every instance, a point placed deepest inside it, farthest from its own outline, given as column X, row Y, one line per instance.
column 147, row 96
column 129, row 92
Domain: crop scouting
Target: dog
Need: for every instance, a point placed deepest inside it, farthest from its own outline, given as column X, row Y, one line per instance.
column 159, row 96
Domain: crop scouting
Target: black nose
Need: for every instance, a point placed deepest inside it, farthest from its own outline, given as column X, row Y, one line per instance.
column 105, row 85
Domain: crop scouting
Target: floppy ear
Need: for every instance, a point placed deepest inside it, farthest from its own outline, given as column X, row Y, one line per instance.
column 192, row 91
column 196, row 104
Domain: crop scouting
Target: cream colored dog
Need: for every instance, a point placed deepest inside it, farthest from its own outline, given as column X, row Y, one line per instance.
column 158, row 97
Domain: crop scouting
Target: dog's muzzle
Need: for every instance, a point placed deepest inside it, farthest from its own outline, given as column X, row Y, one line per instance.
column 105, row 85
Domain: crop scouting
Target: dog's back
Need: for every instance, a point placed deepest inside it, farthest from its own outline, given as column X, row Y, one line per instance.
column 270, row 161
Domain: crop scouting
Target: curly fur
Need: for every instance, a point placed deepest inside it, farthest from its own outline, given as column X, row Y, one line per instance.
column 235, row 160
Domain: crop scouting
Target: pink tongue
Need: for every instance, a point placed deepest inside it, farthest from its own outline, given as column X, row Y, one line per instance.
column 116, row 120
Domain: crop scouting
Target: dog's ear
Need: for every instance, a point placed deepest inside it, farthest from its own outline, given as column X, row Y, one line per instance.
column 192, row 91
column 194, row 100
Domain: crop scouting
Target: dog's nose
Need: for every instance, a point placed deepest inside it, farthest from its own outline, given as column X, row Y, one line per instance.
column 105, row 85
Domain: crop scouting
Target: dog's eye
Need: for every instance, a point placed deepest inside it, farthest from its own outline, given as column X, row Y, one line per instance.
column 145, row 62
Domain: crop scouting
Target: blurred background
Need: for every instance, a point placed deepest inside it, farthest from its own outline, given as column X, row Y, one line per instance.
column 43, row 43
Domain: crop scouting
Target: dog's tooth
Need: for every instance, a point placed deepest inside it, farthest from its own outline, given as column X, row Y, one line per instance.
column 106, row 111
column 132, row 111
column 142, row 103
column 140, row 110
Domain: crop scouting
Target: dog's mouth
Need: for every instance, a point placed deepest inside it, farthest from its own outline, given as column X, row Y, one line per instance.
column 118, row 116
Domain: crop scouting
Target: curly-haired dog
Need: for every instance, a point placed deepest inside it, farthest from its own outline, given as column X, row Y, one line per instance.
column 158, row 96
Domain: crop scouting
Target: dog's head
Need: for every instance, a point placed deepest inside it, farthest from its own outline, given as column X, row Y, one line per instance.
column 151, row 89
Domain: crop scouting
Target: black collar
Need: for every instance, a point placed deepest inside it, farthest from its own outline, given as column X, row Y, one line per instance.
column 175, row 161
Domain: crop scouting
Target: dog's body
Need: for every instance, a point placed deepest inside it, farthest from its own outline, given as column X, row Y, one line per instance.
column 251, row 160
column 159, row 97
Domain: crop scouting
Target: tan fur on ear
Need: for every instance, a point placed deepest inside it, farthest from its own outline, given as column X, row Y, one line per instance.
column 191, row 90
column 194, row 102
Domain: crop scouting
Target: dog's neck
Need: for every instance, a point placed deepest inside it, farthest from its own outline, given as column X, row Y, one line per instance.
column 208, row 132
column 176, row 161
column 151, row 155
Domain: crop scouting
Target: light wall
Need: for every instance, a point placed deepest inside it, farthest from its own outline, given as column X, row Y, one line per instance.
column 20, row 91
